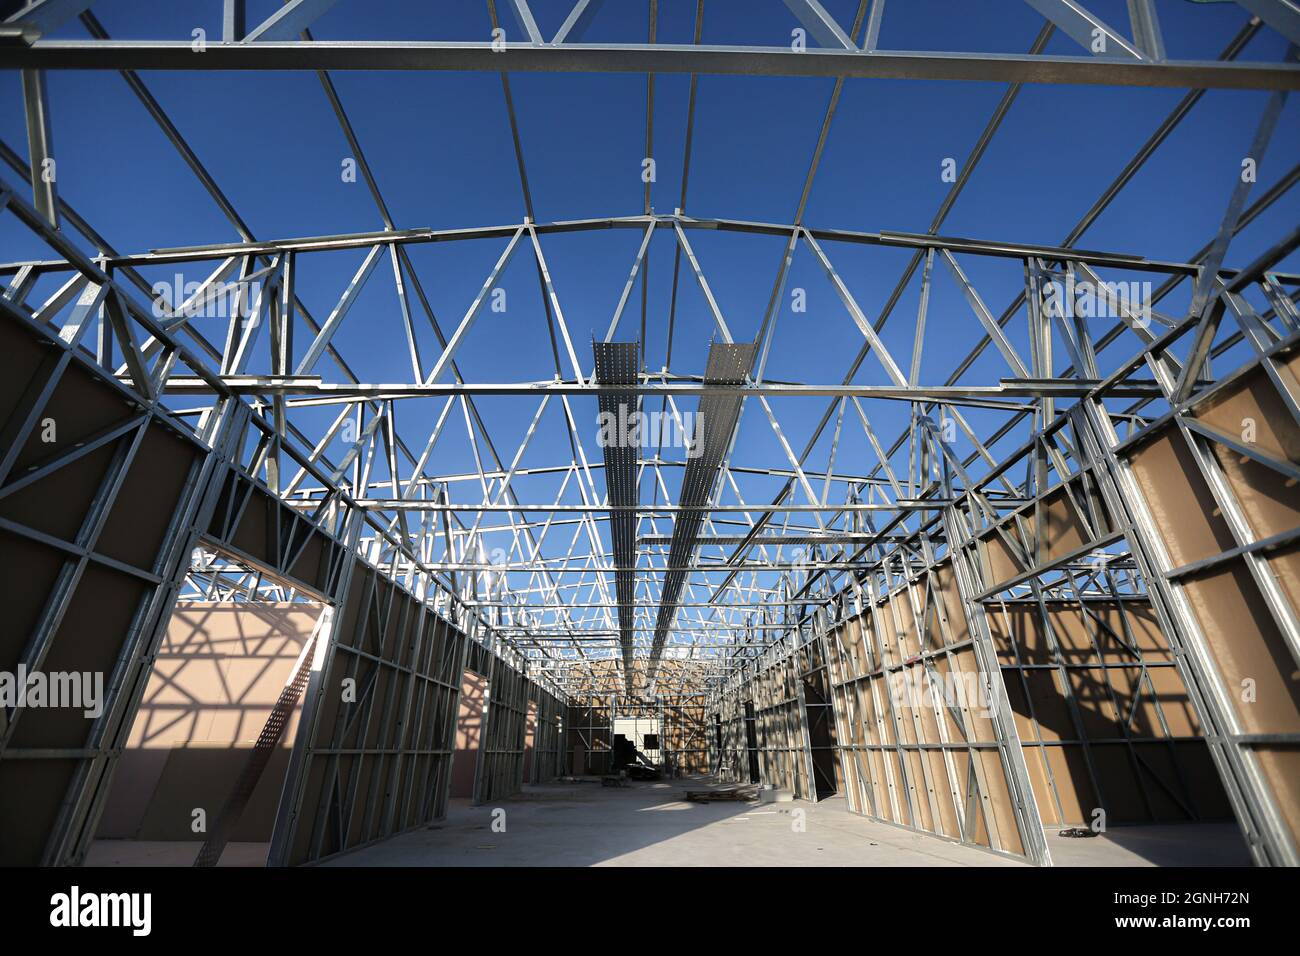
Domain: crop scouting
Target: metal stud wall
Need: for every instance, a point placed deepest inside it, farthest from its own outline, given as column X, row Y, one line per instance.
column 1086, row 517
column 685, row 731
column 100, row 517
column 1209, row 489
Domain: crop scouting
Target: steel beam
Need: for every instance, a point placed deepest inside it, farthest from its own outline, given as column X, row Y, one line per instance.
column 645, row 58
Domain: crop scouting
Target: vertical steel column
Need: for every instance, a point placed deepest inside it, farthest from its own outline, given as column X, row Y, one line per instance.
column 795, row 671
column 40, row 146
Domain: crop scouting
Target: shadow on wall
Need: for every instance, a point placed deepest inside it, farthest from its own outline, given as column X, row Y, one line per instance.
column 218, row 673
column 1126, row 738
column 469, row 733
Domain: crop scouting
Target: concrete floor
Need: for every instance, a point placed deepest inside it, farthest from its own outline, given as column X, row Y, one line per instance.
column 1189, row 844
column 648, row 824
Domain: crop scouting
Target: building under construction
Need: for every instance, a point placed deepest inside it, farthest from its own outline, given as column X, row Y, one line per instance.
column 869, row 448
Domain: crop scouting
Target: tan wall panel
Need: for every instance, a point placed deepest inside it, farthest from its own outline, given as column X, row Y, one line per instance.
column 1269, row 500
column 219, row 671
column 1103, row 698
column 1246, row 645
column 998, row 560
column 951, row 597
column 1044, row 795
column 998, row 801
column 1073, row 782
column 1253, row 399
column 1181, row 504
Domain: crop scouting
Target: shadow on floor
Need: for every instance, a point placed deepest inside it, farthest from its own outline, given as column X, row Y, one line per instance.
column 1176, row 844
column 649, row 824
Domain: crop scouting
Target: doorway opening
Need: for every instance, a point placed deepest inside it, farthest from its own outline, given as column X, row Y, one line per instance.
column 471, row 718
column 206, row 759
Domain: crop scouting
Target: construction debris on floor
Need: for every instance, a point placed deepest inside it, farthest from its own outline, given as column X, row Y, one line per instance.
column 719, row 794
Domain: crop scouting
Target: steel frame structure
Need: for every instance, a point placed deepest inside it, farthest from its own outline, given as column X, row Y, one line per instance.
column 689, row 596
column 283, row 42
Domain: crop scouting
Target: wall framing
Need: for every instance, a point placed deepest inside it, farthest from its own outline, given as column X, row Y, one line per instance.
column 1153, row 536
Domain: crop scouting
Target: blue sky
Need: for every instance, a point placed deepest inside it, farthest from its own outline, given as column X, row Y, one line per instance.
column 439, row 145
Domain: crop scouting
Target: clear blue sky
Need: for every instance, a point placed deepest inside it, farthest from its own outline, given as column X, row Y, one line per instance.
column 440, row 148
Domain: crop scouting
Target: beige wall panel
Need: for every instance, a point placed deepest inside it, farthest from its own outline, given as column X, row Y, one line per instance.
column 979, row 725
column 469, row 734
column 1007, row 632
column 102, row 608
column 883, row 778
column 886, row 724
column 1128, row 686
column 998, row 560
column 1145, row 627
column 1035, row 762
column 1253, row 399
column 997, row 801
column 904, row 621
column 885, row 633
column 31, row 793
column 1049, row 705
column 1269, row 499
column 951, row 597
column 1025, row 727
column 918, row 790
column 1061, row 531
column 852, row 782
column 954, row 732
column 977, row 832
column 1175, row 705
column 1093, row 698
column 1246, row 645
column 851, row 651
column 219, row 671
column 942, row 790
column 1073, row 633
column 1181, row 504
column 1073, row 782
column 24, row 595
column 1030, row 636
